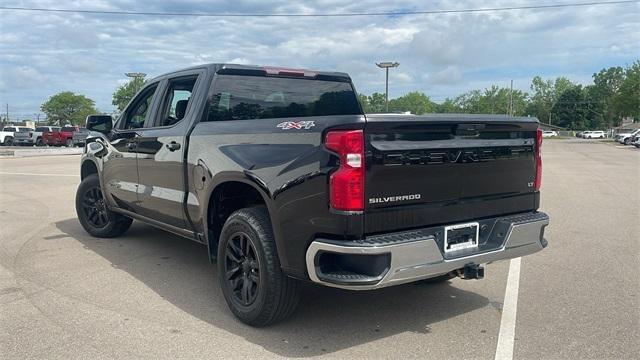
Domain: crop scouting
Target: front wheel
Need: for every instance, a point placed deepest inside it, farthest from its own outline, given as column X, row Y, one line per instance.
column 39, row 142
column 254, row 287
column 8, row 141
column 68, row 143
column 93, row 214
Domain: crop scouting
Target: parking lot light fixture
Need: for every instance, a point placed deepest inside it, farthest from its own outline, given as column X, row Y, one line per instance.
column 135, row 75
column 386, row 65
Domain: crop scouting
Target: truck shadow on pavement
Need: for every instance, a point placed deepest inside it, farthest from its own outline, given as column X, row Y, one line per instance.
column 327, row 319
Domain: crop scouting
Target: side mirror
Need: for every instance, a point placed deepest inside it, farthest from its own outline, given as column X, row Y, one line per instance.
column 100, row 123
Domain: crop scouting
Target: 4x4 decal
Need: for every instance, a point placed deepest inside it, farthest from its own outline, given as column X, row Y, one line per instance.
column 296, row 125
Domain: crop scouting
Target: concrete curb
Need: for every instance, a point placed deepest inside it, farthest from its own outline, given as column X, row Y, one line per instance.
column 40, row 152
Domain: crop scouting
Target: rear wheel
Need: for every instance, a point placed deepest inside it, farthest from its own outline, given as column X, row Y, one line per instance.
column 627, row 141
column 254, row 287
column 93, row 214
column 69, row 143
column 39, row 142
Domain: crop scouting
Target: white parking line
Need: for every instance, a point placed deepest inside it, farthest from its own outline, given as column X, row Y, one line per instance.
column 506, row 336
column 36, row 174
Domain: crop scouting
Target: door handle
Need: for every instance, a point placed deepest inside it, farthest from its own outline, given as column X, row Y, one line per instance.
column 131, row 145
column 173, row 146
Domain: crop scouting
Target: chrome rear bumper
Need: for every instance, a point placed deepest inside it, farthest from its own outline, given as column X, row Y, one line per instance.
column 416, row 255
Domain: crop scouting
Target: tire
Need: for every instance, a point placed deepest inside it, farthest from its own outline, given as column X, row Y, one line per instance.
column 627, row 141
column 39, row 142
column 8, row 141
column 93, row 214
column 248, row 260
column 68, row 143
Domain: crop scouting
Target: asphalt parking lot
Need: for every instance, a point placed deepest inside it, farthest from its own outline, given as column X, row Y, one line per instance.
column 150, row 294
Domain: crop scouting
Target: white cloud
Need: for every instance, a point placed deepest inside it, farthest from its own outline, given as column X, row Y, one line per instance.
column 442, row 55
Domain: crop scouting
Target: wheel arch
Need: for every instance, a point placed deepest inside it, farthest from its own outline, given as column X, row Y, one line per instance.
column 87, row 168
column 231, row 192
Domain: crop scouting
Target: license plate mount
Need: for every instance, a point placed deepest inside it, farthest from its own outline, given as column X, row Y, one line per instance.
column 461, row 236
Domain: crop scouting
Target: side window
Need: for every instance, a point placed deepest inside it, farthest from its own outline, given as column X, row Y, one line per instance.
column 176, row 99
column 140, row 109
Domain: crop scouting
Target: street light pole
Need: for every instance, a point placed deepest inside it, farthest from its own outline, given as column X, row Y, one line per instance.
column 386, row 65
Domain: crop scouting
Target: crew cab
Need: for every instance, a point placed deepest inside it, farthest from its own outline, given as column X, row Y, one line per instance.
column 38, row 133
column 283, row 178
column 33, row 137
column 8, row 133
column 80, row 136
column 627, row 136
column 62, row 137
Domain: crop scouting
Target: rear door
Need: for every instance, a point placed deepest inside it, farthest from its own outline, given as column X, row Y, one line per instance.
column 161, row 150
column 431, row 170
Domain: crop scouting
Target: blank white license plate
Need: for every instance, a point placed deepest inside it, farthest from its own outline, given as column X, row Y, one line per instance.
column 461, row 236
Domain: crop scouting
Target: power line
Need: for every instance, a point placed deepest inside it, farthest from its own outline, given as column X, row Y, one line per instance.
column 384, row 13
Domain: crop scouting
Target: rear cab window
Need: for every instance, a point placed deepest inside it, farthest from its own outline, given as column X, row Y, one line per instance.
column 9, row 129
column 241, row 97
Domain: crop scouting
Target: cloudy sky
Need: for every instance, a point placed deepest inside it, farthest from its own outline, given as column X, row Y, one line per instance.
column 42, row 53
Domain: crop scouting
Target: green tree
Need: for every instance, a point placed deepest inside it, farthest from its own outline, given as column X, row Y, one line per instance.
column 493, row 100
column 364, row 102
column 67, row 107
column 124, row 93
column 416, row 102
column 627, row 101
column 448, row 106
column 606, row 84
column 544, row 95
column 571, row 109
column 375, row 103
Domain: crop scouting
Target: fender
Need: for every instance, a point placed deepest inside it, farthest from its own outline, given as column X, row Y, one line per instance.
column 245, row 177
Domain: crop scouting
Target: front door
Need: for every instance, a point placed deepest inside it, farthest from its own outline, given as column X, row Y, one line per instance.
column 120, row 172
column 161, row 153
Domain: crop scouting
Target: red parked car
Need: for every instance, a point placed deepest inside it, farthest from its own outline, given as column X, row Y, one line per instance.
column 62, row 137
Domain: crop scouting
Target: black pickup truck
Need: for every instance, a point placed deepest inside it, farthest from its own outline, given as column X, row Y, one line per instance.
column 285, row 179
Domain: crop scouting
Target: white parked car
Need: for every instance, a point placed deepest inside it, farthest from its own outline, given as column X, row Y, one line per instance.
column 549, row 133
column 8, row 132
column 626, row 137
column 593, row 135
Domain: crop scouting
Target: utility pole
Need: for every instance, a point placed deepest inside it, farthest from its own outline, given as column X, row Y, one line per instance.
column 511, row 99
column 386, row 65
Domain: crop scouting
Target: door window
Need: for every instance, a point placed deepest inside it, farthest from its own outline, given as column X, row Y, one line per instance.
column 141, row 108
column 176, row 100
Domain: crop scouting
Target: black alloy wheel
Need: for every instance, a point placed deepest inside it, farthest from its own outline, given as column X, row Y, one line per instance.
column 242, row 268
column 94, row 208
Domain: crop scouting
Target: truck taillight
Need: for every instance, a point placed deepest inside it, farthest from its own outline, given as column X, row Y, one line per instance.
column 538, row 158
column 346, row 185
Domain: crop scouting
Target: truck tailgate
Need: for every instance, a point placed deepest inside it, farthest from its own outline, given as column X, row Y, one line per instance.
column 443, row 169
